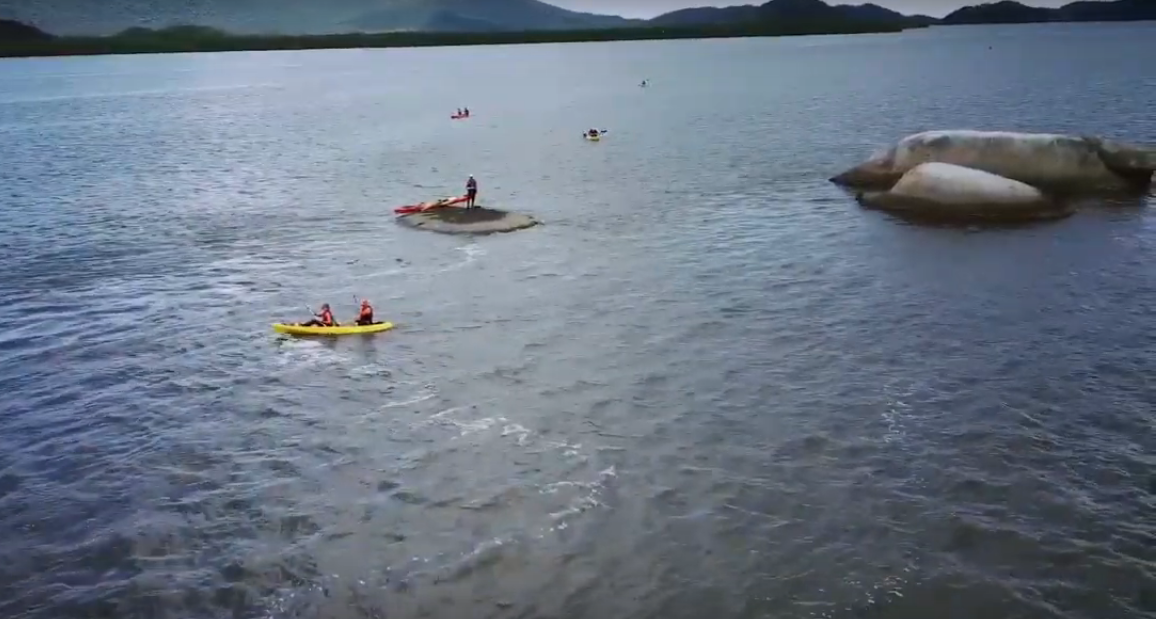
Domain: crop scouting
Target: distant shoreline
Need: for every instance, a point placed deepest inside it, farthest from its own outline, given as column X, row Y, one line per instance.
column 191, row 39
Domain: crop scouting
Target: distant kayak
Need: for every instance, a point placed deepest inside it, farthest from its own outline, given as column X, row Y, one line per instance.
column 592, row 138
column 459, row 116
column 339, row 330
column 425, row 206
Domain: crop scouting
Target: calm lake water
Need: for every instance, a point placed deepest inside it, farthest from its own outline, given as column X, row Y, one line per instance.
column 709, row 386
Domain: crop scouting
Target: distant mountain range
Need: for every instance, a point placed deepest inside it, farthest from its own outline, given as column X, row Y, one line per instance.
column 482, row 16
column 1008, row 12
column 102, row 17
column 15, row 31
column 787, row 10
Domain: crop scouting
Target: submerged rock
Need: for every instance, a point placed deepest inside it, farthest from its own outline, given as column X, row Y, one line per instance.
column 951, row 192
column 454, row 220
column 1052, row 162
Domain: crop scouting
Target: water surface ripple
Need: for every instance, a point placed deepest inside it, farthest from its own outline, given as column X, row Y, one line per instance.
column 710, row 385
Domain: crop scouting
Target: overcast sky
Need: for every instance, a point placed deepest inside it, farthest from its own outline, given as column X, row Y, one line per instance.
column 650, row 8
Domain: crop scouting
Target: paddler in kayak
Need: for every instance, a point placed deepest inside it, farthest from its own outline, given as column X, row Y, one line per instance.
column 365, row 317
column 471, row 191
column 322, row 319
column 592, row 133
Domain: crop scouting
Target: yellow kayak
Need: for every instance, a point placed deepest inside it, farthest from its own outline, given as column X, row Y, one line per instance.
column 592, row 138
column 339, row 330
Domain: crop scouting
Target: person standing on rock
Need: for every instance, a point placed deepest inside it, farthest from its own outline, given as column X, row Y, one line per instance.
column 471, row 191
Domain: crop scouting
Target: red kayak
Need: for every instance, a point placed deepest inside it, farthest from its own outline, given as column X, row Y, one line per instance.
column 425, row 206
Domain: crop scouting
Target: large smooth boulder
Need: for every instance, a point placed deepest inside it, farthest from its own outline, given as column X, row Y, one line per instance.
column 1053, row 162
column 948, row 191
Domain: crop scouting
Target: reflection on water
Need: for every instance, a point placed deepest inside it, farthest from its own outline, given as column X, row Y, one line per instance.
column 710, row 385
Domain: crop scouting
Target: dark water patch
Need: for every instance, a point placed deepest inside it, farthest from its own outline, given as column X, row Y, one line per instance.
column 704, row 389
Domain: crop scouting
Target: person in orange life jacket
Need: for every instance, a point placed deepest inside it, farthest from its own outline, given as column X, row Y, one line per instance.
column 322, row 319
column 365, row 317
column 471, row 191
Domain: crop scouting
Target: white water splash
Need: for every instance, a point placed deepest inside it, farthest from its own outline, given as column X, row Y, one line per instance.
column 471, row 255
column 896, row 411
column 306, row 353
column 586, row 495
column 517, row 430
column 410, row 401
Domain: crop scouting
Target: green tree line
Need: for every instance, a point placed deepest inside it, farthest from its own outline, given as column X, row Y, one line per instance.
column 204, row 39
